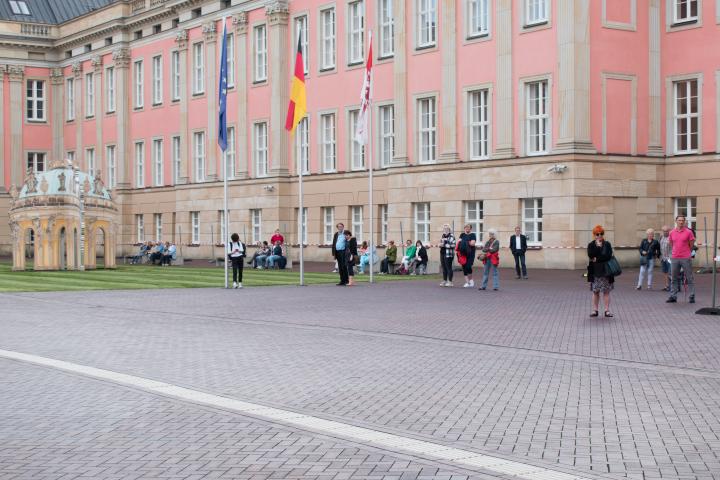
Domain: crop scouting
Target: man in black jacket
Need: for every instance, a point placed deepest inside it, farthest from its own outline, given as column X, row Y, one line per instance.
column 518, row 247
column 338, row 251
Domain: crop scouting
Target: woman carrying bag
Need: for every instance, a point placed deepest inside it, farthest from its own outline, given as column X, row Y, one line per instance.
column 601, row 270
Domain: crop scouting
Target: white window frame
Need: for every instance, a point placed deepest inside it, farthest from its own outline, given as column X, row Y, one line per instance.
column 300, row 24
column 536, row 12
column 110, row 89
column 199, row 155
column 195, row 227
column 327, row 39
column 89, row 95
column 426, row 112
column 384, row 222
column 421, row 215
column 328, row 225
column 386, row 29
column 478, row 118
column 260, row 149
column 198, row 82
column 230, row 60
column 221, row 221
column 36, row 160
column 677, row 5
column 139, row 228
column 157, row 217
column 355, row 32
column 356, row 222
column 386, row 134
column 36, row 104
column 302, row 144
column 478, row 18
column 260, row 73
column 532, row 225
column 111, row 162
column 90, row 164
column 139, row 76
column 537, row 118
column 328, row 143
column 474, row 215
column 304, row 233
column 686, row 206
column 70, row 94
column 357, row 151
column 157, row 80
column 686, row 118
column 229, row 154
column 175, row 74
column 426, row 22
column 176, row 157
column 70, row 156
column 140, row 164
column 157, row 154
column 256, row 224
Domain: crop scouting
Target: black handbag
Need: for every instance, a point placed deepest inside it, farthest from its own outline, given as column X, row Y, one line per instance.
column 612, row 267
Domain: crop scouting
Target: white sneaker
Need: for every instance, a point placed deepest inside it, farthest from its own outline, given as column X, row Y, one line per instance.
column 234, row 285
column 467, row 285
column 472, row 283
column 239, row 285
column 448, row 284
column 443, row 284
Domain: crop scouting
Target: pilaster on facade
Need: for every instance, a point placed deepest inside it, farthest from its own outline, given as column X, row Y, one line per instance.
column 97, row 66
column 278, row 15
column 655, row 27
column 400, row 156
column 77, row 70
column 240, row 22
column 448, row 48
column 183, row 176
column 2, row 131
column 504, row 83
column 16, row 75
column 121, row 59
column 210, row 36
column 574, row 78
column 57, row 83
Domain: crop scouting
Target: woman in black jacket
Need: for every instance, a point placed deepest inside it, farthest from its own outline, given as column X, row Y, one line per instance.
column 351, row 250
column 649, row 251
column 600, row 252
column 421, row 259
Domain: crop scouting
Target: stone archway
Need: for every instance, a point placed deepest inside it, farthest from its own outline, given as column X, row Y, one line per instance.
column 29, row 247
column 63, row 249
column 100, row 246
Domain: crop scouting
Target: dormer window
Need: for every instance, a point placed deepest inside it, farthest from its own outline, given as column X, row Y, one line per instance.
column 19, row 7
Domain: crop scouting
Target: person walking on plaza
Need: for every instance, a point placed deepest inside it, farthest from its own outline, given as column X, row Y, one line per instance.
column 490, row 257
column 518, row 247
column 682, row 242
column 390, row 258
column 351, row 251
column 447, row 252
column 600, row 252
column 338, row 251
column 466, row 249
column 236, row 253
column 665, row 254
column 649, row 251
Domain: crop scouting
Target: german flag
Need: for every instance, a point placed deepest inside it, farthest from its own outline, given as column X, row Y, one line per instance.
column 298, row 106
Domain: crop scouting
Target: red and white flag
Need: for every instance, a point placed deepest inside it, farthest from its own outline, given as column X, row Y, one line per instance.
column 361, row 132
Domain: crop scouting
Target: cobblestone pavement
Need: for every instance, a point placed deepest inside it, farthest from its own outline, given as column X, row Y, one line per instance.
column 522, row 373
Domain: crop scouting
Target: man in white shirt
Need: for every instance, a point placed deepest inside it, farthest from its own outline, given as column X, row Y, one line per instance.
column 518, row 247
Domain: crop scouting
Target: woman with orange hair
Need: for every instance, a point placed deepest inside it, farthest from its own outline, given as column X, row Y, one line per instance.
column 600, row 252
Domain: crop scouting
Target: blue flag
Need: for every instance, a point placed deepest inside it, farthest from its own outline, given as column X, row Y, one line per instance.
column 222, row 92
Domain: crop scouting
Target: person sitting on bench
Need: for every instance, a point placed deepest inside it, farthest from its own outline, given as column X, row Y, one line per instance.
column 390, row 258
column 275, row 257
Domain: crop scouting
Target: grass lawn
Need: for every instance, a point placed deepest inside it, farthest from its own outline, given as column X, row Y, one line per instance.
column 127, row 277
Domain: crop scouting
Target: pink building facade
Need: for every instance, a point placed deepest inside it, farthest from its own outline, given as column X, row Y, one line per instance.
column 552, row 115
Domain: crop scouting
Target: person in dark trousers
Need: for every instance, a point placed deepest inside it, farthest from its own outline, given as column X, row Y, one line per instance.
column 600, row 252
column 421, row 259
column 351, row 252
column 466, row 250
column 518, row 247
column 338, row 251
column 236, row 253
column 390, row 258
column 447, row 252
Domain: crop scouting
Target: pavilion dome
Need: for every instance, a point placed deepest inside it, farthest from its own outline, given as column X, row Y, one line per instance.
column 59, row 180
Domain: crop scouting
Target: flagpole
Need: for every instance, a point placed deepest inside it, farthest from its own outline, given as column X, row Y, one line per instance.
column 298, row 160
column 370, row 180
column 226, row 224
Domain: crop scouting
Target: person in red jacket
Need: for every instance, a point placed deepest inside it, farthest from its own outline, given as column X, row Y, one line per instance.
column 277, row 238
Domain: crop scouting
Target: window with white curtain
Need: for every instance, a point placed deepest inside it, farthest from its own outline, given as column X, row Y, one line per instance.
column 301, row 29
column 384, row 224
column 357, row 222
column 327, row 39
column 198, row 69
column 70, row 95
column 426, row 27
column 536, row 12
column 175, row 74
column 256, row 221
column 537, row 118
column 328, row 224
column 260, row 56
column 89, row 95
column 327, row 135
column 230, row 60
column 229, row 154
column 387, row 134
column 111, row 161
column 427, row 130
column 139, row 84
column 386, row 28
column 139, row 228
column 195, row 225
column 176, row 159
column 532, row 220
column 90, row 161
column 478, row 124
column 355, row 31
column 478, row 18
column 422, row 222
column 110, row 89
column 157, row 153
column 304, row 233
column 139, row 164
column 686, row 110
column 261, row 149
column 157, row 80
column 199, row 149
column 357, row 151
column 302, row 144
column 474, row 216
column 158, row 227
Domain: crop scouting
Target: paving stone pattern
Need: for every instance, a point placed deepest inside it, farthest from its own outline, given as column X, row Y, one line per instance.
column 522, row 372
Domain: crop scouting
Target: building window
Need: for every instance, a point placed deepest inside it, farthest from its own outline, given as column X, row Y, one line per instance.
column 70, row 88
column 157, row 79
column 139, row 228
column 478, row 17
column 110, row 89
column 256, row 220
column 532, row 220
column 199, row 149
column 685, row 11
column 327, row 136
column 111, row 166
column 302, row 144
column 229, row 154
column 140, row 164
column 260, row 53
column 426, row 23
column 230, row 60
column 479, row 124
column 261, row 149
column 195, row 225
column 422, row 222
column 301, row 29
column 537, row 118
column 19, row 7
column 176, row 159
column 356, row 17
column 304, row 240
column 328, row 225
column 687, row 206
column 474, row 217
column 70, row 155
column 36, row 100
column 357, row 222
column 386, row 28
column 89, row 95
column 157, row 153
column 327, row 40
column 536, row 12
column 158, row 227
column 387, row 134
column 175, row 74
column 687, row 116
column 139, row 84
column 357, row 151
column 90, row 161
column 36, row 161
column 384, row 224
column 223, row 233
column 198, row 69
column 427, row 130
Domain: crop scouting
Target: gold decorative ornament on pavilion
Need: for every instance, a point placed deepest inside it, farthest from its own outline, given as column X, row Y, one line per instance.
column 46, row 215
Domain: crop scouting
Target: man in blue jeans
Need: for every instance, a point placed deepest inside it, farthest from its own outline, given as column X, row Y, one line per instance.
column 276, row 255
column 338, row 251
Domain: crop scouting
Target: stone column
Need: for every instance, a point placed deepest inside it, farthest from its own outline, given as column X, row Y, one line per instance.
column 277, row 13
column 448, row 96
column 121, row 59
column 97, row 78
column 655, row 147
column 3, row 188
column 57, row 82
column 16, row 73
column 210, row 37
column 79, row 115
column 504, row 85
column 400, row 158
column 241, row 86
column 182, row 42
column 574, row 78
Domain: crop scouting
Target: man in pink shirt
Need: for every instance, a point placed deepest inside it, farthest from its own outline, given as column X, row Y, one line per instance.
column 682, row 242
